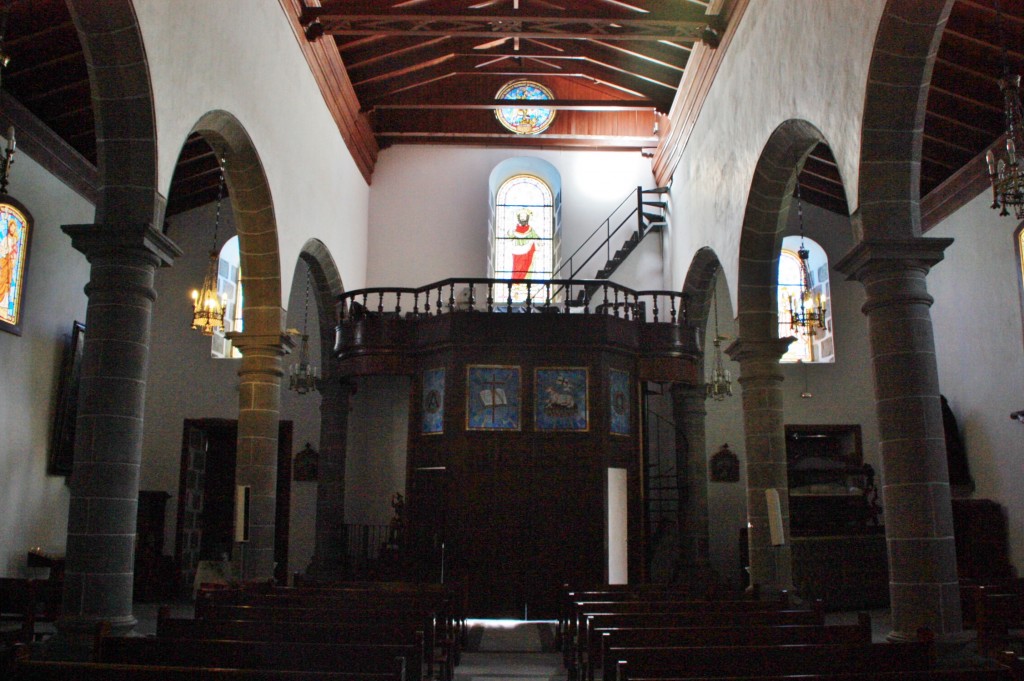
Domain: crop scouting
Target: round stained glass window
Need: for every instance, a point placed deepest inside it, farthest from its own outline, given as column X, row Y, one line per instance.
column 522, row 120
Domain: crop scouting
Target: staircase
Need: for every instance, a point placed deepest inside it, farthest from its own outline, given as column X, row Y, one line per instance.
column 642, row 212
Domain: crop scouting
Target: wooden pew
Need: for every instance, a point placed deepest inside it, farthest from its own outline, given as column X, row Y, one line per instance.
column 436, row 652
column 982, row 674
column 785, row 660
column 263, row 655
column 432, row 608
column 996, row 616
column 691, row 618
column 626, row 637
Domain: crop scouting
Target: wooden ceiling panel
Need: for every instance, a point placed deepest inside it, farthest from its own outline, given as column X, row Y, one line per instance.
column 421, row 76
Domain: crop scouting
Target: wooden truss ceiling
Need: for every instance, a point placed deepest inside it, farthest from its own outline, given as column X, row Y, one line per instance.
column 427, row 71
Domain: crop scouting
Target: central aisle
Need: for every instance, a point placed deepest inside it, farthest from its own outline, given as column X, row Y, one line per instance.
column 505, row 650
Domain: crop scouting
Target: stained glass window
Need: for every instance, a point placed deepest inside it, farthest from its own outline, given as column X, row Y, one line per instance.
column 15, row 230
column 521, row 120
column 523, row 236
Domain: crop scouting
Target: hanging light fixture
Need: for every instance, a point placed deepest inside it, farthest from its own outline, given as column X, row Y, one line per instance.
column 303, row 377
column 207, row 305
column 719, row 384
column 1005, row 175
column 806, row 308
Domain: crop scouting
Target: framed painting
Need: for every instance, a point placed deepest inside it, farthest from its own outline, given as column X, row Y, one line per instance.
column 619, row 402
column 62, row 446
column 433, row 402
column 561, row 401
column 15, row 237
column 492, row 397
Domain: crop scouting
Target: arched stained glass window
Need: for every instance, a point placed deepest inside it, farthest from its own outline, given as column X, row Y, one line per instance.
column 521, row 120
column 524, row 227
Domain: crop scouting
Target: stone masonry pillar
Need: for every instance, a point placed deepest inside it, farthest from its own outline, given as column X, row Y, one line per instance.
column 329, row 551
column 923, row 586
column 691, row 462
column 108, row 433
column 770, row 566
column 259, row 408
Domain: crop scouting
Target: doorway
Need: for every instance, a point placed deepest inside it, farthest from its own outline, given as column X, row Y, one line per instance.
column 206, row 496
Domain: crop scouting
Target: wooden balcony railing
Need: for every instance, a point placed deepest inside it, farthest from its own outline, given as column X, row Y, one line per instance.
column 507, row 296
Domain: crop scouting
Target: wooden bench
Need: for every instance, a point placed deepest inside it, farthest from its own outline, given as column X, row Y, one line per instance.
column 433, row 608
column 579, row 610
column 692, row 618
column 626, row 637
column 264, row 655
column 983, row 674
column 784, row 660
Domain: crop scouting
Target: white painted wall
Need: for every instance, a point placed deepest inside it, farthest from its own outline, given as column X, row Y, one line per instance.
column 979, row 346
column 790, row 59
column 252, row 67
column 428, row 206
column 34, row 505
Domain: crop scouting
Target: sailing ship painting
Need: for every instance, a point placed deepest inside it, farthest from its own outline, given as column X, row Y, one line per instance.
column 560, row 401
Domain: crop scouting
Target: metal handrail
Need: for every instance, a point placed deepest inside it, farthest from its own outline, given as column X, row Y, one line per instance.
column 475, row 294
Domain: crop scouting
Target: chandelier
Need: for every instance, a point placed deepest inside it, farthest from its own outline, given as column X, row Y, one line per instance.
column 207, row 305
column 806, row 308
column 1005, row 175
column 303, row 377
column 719, row 384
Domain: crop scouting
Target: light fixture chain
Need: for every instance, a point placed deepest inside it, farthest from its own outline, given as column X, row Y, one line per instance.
column 221, row 165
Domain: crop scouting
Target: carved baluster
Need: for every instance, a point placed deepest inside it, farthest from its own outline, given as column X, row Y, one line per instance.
column 380, row 302
column 440, row 309
column 508, row 306
column 472, row 297
column 616, row 307
column 655, row 310
column 490, row 296
column 604, row 287
column 529, row 296
column 366, row 302
column 568, row 296
column 451, row 297
column 416, row 304
column 398, row 304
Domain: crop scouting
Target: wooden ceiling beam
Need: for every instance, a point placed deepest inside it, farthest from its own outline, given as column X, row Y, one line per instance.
column 571, row 105
column 547, row 25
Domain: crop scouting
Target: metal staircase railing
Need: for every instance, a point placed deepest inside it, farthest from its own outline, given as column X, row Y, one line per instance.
column 643, row 209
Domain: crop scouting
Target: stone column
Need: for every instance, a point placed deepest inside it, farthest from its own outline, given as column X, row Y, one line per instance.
column 259, row 408
column 923, row 585
column 108, row 433
column 329, row 552
column 770, row 566
column 691, row 463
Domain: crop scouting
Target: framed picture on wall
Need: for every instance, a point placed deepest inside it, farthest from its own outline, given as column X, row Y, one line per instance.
column 618, row 402
column 62, row 445
column 15, row 236
column 561, row 401
column 492, row 397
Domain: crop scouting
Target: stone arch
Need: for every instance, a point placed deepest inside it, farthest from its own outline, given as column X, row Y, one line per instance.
column 328, row 286
column 697, row 291
column 328, row 551
column 899, row 76
column 767, row 211
column 255, row 221
column 122, row 101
